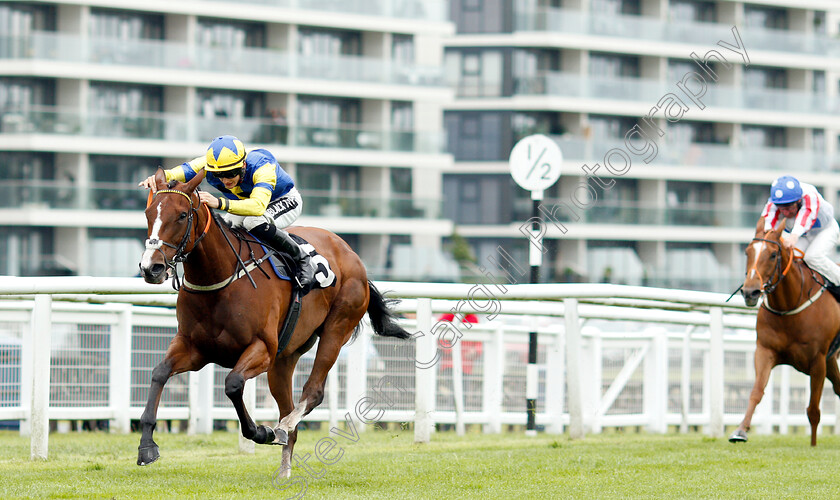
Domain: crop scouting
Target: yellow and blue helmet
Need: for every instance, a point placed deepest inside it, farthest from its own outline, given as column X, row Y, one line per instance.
column 225, row 153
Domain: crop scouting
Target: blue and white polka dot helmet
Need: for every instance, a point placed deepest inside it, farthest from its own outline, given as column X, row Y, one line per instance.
column 784, row 190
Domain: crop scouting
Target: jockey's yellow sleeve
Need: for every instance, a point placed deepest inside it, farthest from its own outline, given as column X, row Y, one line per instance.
column 258, row 187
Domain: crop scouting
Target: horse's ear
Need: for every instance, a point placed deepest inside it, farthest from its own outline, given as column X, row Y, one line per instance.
column 195, row 181
column 160, row 178
column 759, row 228
column 778, row 231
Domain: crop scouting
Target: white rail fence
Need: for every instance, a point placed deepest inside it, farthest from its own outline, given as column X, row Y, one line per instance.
column 609, row 356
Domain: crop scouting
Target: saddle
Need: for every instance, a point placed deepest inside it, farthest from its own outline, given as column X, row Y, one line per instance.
column 283, row 265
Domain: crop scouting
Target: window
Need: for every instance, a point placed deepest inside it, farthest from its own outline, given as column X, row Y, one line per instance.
column 402, row 204
column 22, row 93
column 119, row 110
column 123, row 99
column 402, row 125
column 756, row 136
column 525, row 124
column 818, row 86
column 611, row 65
column 328, row 112
column 478, row 136
column 230, row 34
column 693, row 11
column 125, row 25
column 617, row 7
column 115, row 252
column 230, row 104
column 686, row 132
column 325, row 42
column 610, row 127
column 768, row 78
column 479, row 72
column 18, row 19
column 478, row 199
column 27, row 251
column 329, row 190
column 402, row 49
column 765, row 17
column 114, row 181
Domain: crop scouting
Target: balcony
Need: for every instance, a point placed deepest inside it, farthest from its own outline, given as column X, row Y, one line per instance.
column 655, row 30
column 425, row 10
column 673, row 153
column 649, row 92
column 62, row 195
column 172, row 127
column 156, row 54
column 354, row 204
column 645, row 213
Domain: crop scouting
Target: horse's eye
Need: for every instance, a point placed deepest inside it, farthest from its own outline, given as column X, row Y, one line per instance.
column 773, row 255
column 182, row 216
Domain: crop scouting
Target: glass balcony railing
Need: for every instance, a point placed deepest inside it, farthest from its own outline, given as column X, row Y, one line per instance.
column 63, row 195
column 425, row 10
column 656, row 30
column 171, row 127
column 159, row 54
column 650, row 91
column 635, row 213
column 48, row 194
column 352, row 204
column 672, row 153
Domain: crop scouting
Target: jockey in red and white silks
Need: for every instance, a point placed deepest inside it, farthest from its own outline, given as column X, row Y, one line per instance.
column 809, row 225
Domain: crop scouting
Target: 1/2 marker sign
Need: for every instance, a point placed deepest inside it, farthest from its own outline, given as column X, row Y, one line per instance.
column 535, row 163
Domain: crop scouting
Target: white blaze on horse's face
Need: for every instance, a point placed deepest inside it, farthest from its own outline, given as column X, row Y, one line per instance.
column 758, row 247
column 151, row 248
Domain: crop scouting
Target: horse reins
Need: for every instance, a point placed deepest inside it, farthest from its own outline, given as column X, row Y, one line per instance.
column 180, row 253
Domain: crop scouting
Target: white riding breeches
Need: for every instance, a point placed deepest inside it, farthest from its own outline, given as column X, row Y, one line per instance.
column 819, row 248
column 282, row 212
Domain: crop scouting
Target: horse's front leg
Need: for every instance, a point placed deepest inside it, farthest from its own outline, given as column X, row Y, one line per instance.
column 254, row 360
column 765, row 360
column 178, row 359
column 817, row 373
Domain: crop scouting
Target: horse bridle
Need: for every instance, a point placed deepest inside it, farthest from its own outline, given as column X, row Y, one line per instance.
column 180, row 250
column 768, row 287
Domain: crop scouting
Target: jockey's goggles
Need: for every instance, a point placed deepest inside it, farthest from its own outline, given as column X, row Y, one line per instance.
column 228, row 174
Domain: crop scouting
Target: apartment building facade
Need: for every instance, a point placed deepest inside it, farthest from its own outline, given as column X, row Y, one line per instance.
column 676, row 205
column 94, row 95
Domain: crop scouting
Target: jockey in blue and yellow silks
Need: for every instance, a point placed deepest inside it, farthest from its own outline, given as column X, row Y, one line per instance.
column 258, row 194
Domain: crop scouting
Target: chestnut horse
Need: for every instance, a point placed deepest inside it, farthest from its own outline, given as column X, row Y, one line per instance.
column 234, row 322
column 796, row 324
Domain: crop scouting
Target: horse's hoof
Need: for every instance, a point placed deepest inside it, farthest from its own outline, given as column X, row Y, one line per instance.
column 738, row 436
column 280, row 437
column 265, row 435
column 148, row 454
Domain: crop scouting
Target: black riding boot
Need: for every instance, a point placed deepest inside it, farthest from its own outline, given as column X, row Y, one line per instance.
column 280, row 240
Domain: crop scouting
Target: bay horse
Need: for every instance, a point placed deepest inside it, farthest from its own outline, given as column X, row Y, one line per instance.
column 235, row 322
column 796, row 323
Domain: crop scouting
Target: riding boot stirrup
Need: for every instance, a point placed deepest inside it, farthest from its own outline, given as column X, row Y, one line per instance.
column 281, row 240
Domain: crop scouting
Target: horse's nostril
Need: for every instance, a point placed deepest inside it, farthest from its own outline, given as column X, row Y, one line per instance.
column 156, row 269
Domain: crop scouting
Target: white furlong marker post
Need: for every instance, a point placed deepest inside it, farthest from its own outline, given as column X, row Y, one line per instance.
column 535, row 165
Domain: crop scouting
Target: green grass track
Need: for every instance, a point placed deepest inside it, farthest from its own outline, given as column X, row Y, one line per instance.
column 388, row 465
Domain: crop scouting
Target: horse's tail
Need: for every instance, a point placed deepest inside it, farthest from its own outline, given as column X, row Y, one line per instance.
column 382, row 318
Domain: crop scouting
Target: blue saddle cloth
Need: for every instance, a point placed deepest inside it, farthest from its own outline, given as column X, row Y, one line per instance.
column 324, row 275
